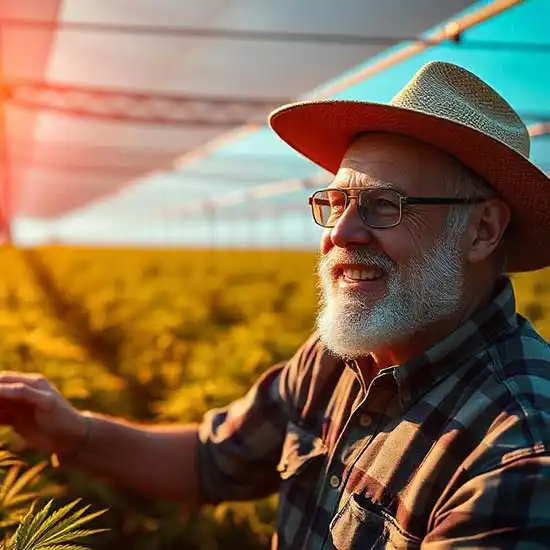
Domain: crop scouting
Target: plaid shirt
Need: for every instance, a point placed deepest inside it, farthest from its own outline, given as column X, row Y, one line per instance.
column 451, row 449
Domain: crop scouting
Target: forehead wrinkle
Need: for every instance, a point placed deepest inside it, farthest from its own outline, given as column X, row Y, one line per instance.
column 352, row 178
column 360, row 179
column 385, row 172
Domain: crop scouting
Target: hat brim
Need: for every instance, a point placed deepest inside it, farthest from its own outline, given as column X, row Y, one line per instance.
column 323, row 130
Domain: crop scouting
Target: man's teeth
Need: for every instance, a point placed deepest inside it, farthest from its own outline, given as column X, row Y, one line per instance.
column 365, row 274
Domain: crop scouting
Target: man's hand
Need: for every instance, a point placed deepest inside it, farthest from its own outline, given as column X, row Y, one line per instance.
column 124, row 452
column 40, row 414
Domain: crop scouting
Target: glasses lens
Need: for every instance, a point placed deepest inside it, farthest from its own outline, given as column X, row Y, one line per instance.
column 380, row 207
column 328, row 206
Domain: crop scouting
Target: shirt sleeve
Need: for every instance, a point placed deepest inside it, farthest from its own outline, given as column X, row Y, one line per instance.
column 503, row 497
column 240, row 445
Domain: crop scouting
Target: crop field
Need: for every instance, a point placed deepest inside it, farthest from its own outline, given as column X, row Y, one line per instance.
column 164, row 335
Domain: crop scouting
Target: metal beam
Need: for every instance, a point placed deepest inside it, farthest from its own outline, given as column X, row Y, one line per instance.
column 540, row 129
column 138, row 107
column 251, row 35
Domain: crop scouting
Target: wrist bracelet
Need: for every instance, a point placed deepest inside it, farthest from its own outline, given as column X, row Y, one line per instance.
column 56, row 458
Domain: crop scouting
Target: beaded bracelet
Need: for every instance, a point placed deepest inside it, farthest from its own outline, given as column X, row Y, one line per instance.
column 56, row 458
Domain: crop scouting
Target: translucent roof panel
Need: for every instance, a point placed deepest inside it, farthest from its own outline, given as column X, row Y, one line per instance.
column 108, row 181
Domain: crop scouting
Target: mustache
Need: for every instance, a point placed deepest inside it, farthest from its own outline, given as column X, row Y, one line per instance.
column 329, row 261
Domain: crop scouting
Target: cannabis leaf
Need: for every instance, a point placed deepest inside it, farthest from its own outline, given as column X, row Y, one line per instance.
column 57, row 530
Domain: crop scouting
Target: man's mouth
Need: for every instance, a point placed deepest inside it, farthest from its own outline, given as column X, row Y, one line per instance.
column 356, row 273
column 365, row 274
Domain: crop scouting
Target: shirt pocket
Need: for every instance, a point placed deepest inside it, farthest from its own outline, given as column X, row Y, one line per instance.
column 360, row 524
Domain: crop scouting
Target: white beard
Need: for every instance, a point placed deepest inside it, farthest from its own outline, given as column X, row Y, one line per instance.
column 426, row 290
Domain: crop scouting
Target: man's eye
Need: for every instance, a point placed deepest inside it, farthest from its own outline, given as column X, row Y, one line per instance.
column 386, row 204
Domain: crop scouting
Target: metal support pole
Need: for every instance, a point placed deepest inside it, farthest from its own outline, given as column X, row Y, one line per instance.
column 5, row 169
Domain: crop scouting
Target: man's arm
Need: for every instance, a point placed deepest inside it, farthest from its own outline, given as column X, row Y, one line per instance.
column 232, row 455
column 160, row 461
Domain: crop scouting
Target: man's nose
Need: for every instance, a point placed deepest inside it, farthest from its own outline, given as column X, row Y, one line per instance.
column 350, row 229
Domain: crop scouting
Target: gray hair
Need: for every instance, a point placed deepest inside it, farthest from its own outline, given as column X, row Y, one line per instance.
column 464, row 183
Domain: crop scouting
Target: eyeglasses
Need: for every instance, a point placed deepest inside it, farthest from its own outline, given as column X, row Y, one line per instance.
column 377, row 207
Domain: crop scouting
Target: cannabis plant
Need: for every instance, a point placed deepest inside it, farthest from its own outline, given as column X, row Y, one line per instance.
column 23, row 526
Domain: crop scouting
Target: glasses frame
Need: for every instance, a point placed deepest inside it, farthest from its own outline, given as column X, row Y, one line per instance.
column 404, row 200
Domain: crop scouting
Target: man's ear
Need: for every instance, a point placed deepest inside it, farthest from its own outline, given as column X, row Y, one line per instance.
column 488, row 223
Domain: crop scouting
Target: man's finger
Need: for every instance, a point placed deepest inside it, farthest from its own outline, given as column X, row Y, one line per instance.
column 23, row 393
column 32, row 379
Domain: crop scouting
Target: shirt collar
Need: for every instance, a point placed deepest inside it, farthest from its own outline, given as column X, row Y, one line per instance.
column 424, row 371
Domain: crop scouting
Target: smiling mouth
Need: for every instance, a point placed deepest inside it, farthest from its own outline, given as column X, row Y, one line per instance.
column 360, row 273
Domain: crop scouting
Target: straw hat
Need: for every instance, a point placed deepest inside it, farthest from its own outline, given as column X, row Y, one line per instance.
column 454, row 110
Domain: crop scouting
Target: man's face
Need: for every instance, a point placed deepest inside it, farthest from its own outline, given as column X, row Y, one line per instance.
column 381, row 286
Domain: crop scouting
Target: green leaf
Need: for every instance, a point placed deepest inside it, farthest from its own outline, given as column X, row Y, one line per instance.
column 31, row 523
column 47, row 521
column 14, row 483
column 7, row 460
column 44, row 531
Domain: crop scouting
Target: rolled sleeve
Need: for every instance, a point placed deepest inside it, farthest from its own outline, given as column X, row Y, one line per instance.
column 240, row 445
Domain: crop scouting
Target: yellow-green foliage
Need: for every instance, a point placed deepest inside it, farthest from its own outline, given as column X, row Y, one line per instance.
column 155, row 336
column 533, row 298
column 162, row 336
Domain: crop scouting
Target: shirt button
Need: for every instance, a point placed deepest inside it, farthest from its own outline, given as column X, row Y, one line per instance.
column 334, row 481
column 365, row 420
column 346, row 454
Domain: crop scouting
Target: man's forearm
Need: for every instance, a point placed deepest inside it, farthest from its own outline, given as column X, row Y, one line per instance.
column 158, row 460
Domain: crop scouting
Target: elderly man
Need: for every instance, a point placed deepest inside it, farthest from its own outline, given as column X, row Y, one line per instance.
column 417, row 415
